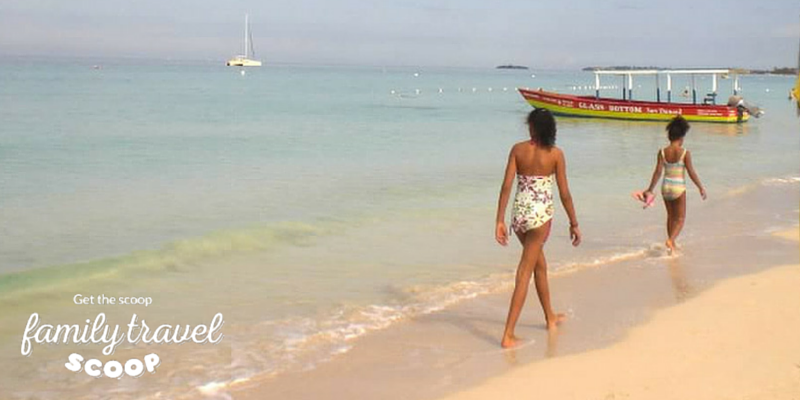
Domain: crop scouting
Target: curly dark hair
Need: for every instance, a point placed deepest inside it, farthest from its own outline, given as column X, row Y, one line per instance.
column 542, row 127
column 677, row 128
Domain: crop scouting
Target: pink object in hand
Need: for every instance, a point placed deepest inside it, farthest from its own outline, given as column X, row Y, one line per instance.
column 645, row 197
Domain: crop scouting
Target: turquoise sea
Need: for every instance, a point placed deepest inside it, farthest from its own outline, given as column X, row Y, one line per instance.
column 313, row 204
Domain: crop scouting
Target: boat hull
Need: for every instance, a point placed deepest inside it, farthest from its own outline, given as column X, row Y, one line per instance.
column 592, row 107
column 243, row 62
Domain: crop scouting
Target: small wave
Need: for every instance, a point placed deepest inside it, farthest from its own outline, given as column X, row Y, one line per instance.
column 781, row 181
column 774, row 181
column 173, row 256
column 651, row 251
column 214, row 389
column 302, row 343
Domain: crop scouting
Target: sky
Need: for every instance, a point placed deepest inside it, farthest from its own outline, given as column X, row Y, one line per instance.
column 561, row 34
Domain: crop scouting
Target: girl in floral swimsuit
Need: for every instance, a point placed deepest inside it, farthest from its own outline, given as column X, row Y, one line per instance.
column 535, row 163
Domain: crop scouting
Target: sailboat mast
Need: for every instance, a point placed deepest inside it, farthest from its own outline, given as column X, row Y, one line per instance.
column 246, row 27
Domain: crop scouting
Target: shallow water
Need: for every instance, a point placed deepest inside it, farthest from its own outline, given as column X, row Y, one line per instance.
column 312, row 205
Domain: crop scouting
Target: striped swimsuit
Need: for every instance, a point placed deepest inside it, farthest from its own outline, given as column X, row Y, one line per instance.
column 674, row 184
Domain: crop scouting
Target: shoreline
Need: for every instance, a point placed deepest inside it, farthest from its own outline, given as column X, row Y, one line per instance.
column 445, row 352
column 735, row 340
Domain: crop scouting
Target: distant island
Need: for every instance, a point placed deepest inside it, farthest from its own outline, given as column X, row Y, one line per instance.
column 509, row 66
column 741, row 71
column 618, row 68
column 774, row 71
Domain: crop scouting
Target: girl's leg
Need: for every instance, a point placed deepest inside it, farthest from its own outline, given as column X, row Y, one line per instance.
column 542, row 283
column 543, row 291
column 532, row 242
column 670, row 217
column 679, row 215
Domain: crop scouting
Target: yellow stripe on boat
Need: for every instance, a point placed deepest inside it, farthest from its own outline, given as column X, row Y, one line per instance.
column 577, row 112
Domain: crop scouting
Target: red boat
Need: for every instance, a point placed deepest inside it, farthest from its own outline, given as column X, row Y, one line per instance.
column 598, row 107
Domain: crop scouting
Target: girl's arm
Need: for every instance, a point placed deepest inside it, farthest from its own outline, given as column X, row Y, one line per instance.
column 693, row 175
column 501, row 233
column 566, row 198
column 656, row 173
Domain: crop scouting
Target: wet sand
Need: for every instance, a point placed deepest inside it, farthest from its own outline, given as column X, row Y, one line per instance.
column 738, row 340
column 445, row 352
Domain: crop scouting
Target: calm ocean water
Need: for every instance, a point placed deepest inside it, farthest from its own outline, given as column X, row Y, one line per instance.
column 314, row 204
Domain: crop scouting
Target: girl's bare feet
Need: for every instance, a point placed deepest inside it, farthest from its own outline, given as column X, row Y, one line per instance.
column 552, row 323
column 509, row 341
column 670, row 246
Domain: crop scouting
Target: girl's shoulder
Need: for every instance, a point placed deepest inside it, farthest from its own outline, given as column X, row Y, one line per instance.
column 673, row 153
column 527, row 146
column 670, row 148
column 520, row 144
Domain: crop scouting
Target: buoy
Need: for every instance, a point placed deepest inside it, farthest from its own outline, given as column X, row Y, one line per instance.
column 474, row 90
column 533, row 76
column 392, row 92
column 767, row 90
column 505, row 89
column 490, row 89
column 242, row 72
column 418, row 91
column 416, row 73
column 440, row 90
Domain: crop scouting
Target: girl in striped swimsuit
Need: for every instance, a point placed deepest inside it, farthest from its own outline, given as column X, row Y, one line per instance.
column 675, row 162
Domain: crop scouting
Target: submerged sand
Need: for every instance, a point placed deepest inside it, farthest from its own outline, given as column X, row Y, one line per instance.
column 790, row 234
column 738, row 340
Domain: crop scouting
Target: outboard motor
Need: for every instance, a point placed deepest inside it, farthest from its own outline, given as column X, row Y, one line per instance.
column 742, row 106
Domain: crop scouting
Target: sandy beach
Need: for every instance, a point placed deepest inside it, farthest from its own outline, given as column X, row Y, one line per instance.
column 738, row 340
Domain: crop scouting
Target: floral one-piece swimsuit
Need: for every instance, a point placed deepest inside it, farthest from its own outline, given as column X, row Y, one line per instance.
column 533, row 202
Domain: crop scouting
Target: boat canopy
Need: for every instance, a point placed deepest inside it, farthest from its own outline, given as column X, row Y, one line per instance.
column 627, row 86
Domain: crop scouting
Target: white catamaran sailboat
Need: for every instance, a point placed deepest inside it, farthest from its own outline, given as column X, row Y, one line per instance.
column 245, row 61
